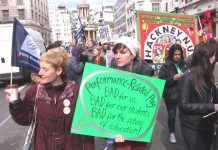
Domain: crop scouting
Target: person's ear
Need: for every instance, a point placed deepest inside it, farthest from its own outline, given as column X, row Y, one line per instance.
column 59, row 71
column 132, row 57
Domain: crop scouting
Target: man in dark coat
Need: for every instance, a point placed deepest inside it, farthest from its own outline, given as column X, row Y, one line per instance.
column 76, row 64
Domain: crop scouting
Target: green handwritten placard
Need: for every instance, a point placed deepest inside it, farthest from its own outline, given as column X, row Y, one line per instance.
column 112, row 102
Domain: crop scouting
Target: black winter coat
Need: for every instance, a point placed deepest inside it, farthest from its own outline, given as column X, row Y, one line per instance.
column 167, row 72
column 139, row 66
column 193, row 104
column 75, row 69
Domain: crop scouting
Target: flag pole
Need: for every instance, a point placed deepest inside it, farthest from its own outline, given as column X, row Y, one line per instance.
column 11, row 75
column 200, row 24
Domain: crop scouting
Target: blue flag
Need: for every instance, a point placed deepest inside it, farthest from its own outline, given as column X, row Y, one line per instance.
column 78, row 33
column 25, row 53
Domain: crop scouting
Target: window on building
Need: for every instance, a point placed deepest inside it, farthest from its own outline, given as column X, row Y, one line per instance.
column 21, row 14
column 101, row 14
column 32, row 13
column 155, row 6
column 188, row 1
column 36, row 17
column 141, row 6
column 19, row 1
column 5, row 14
column 4, row 2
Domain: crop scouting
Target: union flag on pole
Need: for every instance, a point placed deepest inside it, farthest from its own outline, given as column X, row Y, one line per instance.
column 206, row 23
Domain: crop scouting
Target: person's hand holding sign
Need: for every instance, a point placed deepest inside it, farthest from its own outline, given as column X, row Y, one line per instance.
column 119, row 138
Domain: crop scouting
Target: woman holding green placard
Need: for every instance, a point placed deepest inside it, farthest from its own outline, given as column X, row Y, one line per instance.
column 55, row 100
column 126, row 58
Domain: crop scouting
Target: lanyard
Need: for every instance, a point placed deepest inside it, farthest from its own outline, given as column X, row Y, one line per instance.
column 178, row 68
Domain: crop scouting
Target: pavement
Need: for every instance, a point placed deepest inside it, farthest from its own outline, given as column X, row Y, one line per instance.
column 160, row 139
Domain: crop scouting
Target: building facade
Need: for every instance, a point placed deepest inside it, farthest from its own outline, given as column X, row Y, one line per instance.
column 131, row 6
column 83, row 12
column 31, row 13
column 103, row 18
column 198, row 8
column 124, row 13
column 120, row 17
column 61, row 23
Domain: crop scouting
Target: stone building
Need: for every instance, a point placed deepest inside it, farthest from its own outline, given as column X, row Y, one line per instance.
column 198, row 8
column 120, row 17
column 31, row 13
column 83, row 10
column 60, row 23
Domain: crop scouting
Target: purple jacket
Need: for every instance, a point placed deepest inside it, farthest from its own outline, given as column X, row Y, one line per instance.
column 53, row 125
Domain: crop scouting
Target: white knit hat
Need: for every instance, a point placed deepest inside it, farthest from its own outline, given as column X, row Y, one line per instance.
column 131, row 43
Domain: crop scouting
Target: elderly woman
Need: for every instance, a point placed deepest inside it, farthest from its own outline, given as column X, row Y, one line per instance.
column 55, row 98
column 126, row 57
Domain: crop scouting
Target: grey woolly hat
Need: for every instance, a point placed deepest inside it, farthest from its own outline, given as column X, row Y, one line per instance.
column 131, row 43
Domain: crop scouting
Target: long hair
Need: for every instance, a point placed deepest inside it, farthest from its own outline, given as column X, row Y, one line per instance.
column 202, row 69
column 170, row 58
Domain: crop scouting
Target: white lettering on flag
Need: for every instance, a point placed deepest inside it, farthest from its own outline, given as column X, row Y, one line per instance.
column 30, row 47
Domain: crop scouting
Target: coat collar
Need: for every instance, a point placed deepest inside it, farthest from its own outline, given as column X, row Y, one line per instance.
column 67, row 85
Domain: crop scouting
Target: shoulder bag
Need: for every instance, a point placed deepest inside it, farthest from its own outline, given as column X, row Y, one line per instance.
column 29, row 141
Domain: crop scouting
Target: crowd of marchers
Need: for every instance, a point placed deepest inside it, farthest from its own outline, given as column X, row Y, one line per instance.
column 189, row 86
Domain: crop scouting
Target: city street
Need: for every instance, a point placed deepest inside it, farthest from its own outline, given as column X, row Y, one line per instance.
column 12, row 135
column 46, row 40
column 160, row 140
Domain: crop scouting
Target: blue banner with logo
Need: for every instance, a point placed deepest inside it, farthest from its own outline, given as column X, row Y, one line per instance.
column 25, row 52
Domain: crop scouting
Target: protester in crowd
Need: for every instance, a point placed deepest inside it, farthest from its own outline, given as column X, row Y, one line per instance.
column 98, row 56
column 52, row 46
column 214, row 43
column 215, row 65
column 76, row 64
column 109, row 54
column 89, row 50
column 171, row 71
column 111, row 46
column 105, row 48
column 126, row 57
column 98, row 42
column 196, row 99
column 55, row 98
column 71, row 47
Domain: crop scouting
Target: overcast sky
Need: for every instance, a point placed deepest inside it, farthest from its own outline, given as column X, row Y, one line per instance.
column 72, row 3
